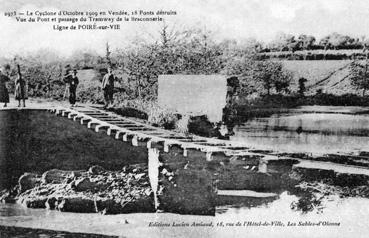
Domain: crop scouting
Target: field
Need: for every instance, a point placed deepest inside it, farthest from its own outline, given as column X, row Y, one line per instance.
column 331, row 76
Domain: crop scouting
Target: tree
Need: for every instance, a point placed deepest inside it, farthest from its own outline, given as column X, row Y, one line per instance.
column 272, row 75
column 107, row 54
column 325, row 42
column 284, row 41
column 306, row 42
column 365, row 45
column 336, row 41
column 302, row 87
column 243, row 67
column 187, row 52
column 359, row 75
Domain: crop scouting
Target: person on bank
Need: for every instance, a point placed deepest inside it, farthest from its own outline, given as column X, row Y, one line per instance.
column 20, row 89
column 72, row 82
column 4, row 94
column 108, row 87
column 73, row 88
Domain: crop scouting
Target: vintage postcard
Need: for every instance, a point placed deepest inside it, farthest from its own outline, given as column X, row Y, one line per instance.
column 184, row 118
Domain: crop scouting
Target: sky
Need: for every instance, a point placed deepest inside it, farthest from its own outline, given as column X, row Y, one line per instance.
column 232, row 19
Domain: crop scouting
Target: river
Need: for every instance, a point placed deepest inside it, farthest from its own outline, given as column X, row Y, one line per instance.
column 309, row 129
column 339, row 218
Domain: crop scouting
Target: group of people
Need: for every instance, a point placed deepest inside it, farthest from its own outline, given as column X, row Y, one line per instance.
column 70, row 79
column 20, row 91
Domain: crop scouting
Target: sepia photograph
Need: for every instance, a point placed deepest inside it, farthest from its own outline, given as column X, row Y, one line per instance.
column 184, row 118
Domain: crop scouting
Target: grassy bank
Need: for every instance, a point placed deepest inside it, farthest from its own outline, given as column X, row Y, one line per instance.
column 28, row 143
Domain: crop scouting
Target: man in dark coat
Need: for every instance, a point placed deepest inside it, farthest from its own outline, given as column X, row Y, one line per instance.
column 72, row 82
column 20, row 88
column 4, row 94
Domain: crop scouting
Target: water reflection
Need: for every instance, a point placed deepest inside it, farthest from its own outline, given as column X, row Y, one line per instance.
column 301, row 131
column 308, row 197
column 307, row 132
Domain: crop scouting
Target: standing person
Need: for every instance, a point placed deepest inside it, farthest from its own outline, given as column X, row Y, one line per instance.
column 67, row 79
column 20, row 89
column 71, row 81
column 73, row 88
column 108, row 87
column 4, row 94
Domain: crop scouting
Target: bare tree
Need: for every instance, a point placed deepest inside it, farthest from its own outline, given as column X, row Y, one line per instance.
column 107, row 54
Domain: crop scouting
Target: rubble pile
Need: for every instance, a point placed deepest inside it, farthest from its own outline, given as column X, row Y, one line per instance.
column 95, row 190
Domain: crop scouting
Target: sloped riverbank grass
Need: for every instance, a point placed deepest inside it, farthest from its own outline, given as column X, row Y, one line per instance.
column 29, row 143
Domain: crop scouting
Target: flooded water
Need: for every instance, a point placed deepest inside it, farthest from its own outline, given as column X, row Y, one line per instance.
column 340, row 218
column 304, row 131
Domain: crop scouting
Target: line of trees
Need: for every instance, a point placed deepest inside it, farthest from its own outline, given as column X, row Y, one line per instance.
column 193, row 51
column 335, row 41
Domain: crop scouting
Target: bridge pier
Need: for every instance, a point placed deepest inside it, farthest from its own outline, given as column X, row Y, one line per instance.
column 97, row 128
column 90, row 123
column 263, row 165
column 71, row 114
column 110, row 129
column 125, row 137
column 185, row 152
column 209, row 156
column 64, row 113
column 166, row 146
column 135, row 140
column 148, row 144
column 118, row 133
column 84, row 119
column 76, row 117
column 153, row 171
